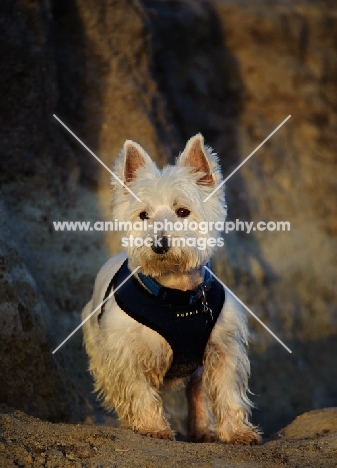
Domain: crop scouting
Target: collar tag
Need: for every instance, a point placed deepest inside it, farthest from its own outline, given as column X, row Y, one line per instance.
column 205, row 308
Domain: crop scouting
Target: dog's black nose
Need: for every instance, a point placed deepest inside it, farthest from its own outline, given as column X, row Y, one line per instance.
column 160, row 245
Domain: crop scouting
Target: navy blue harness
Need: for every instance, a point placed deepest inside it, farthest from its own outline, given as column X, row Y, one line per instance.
column 184, row 318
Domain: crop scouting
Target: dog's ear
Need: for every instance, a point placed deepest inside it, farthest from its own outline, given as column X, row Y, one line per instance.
column 195, row 156
column 134, row 157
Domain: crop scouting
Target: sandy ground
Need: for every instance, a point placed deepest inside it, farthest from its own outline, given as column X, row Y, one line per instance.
column 310, row 441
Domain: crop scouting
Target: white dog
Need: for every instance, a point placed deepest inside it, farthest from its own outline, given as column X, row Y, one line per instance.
column 171, row 321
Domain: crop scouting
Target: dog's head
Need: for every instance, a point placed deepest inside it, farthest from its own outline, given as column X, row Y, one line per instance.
column 172, row 228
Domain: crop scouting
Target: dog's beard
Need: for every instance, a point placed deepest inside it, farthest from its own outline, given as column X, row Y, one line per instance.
column 174, row 261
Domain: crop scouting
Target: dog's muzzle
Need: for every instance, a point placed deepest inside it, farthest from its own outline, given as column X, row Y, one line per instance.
column 160, row 245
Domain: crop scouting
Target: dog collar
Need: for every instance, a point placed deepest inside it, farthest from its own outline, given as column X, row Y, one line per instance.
column 175, row 296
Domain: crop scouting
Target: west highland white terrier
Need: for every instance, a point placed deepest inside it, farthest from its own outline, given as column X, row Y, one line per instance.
column 170, row 321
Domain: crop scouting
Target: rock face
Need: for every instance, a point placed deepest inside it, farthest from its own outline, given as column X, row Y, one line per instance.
column 157, row 73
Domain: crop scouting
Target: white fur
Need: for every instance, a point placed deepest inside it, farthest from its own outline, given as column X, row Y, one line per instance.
column 129, row 360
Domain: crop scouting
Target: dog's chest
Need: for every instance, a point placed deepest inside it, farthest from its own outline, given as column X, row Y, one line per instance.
column 186, row 327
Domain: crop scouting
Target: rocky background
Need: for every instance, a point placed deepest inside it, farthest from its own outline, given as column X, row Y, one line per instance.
column 158, row 72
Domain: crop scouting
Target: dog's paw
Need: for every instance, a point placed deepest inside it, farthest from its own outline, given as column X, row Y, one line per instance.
column 167, row 434
column 201, row 437
column 244, row 437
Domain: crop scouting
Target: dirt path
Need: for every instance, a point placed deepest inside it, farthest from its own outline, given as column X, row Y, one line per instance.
column 310, row 441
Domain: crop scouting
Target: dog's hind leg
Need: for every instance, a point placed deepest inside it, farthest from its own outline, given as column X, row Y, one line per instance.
column 198, row 422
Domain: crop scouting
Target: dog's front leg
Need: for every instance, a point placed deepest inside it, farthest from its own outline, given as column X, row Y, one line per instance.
column 135, row 394
column 143, row 411
column 226, row 371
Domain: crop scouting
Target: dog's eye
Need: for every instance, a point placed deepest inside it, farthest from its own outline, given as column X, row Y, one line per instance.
column 182, row 212
column 143, row 215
